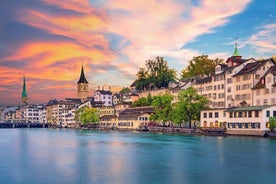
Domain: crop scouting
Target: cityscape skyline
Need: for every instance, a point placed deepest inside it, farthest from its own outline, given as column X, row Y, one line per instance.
column 47, row 41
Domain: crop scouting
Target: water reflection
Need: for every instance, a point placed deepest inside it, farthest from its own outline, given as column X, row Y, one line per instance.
column 73, row 156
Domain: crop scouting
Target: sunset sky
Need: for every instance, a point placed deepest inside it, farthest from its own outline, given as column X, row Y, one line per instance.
column 48, row 40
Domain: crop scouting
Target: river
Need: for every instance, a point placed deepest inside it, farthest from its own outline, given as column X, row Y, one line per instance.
column 57, row 156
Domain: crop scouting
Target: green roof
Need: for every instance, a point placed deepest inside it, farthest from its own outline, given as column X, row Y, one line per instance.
column 24, row 91
column 236, row 52
column 249, row 108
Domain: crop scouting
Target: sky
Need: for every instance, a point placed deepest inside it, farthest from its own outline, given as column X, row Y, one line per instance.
column 47, row 41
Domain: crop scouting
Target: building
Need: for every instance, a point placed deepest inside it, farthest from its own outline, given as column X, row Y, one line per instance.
column 61, row 113
column 82, row 86
column 133, row 118
column 249, row 95
column 103, row 96
column 34, row 114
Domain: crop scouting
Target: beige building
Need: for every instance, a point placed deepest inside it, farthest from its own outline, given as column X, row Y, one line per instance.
column 264, row 91
column 249, row 120
column 133, row 118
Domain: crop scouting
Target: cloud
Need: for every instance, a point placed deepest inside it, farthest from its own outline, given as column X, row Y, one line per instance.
column 264, row 41
column 154, row 30
column 48, row 39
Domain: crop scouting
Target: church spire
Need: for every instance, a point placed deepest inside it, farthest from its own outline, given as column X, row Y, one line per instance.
column 82, row 76
column 24, row 95
column 236, row 52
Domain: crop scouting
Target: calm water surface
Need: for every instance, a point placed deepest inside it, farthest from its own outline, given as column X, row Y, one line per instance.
column 75, row 156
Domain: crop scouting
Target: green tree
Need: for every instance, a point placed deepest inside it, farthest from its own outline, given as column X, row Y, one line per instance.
column 89, row 115
column 189, row 106
column 162, row 108
column 141, row 102
column 157, row 74
column 200, row 65
column 125, row 90
column 272, row 123
column 79, row 112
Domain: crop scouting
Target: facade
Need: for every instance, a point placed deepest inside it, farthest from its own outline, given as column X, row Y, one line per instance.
column 264, row 91
column 133, row 118
column 33, row 114
column 61, row 113
column 103, row 96
column 82, row 86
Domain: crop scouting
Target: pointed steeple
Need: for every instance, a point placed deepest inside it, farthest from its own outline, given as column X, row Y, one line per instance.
column 24, row 95
column 236, row 52
column 82, row 76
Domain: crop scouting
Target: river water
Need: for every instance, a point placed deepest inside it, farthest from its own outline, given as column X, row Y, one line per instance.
column 57, row 156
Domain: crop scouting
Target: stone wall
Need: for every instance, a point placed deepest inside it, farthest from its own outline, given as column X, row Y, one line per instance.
column 246, row 132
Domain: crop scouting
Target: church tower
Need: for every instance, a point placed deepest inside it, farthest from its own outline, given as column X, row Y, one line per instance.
column 24, row 95
column 82, row 85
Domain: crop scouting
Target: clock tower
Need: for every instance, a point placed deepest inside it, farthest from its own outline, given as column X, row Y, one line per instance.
column 82, row 86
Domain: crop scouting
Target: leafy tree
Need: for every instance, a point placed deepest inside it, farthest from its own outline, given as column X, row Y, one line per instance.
column 200, row 65
column 272, row 123
column 141, row 102
column 125, row 90
column 157, row 74
column 189, row 106
column 79, row 112
column 162, row 108
column 89, row 115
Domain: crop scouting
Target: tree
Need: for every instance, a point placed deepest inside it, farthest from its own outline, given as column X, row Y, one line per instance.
column 89, row 115
column 141, row 102
column 200, row 65
column 157, row 74
column 125, row 90
column 189, row 106
column 272, row 123
column 79, row 112
column 162, row 108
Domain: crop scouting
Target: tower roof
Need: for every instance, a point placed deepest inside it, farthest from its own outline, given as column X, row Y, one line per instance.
column 82, row 76
column 24, row 91
column 236, row 52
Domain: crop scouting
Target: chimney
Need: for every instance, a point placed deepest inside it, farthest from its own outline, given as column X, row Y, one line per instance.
column 109, row 88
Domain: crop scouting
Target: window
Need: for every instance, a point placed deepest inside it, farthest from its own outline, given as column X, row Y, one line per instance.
column 210, row 115
column 274, row 113
column 240, row 114
column 205, row 115
column 229, row 80
column 231, row 114
column 216, row 114
column 256, row 113
column 238, row 79
column 249, row 114
column 214, row 95
column 257, row 76
column 267, row 113
column 229, row 90
column 273, row 90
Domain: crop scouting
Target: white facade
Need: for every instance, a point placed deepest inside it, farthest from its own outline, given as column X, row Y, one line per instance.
column 104, row 96
column 250, row 120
